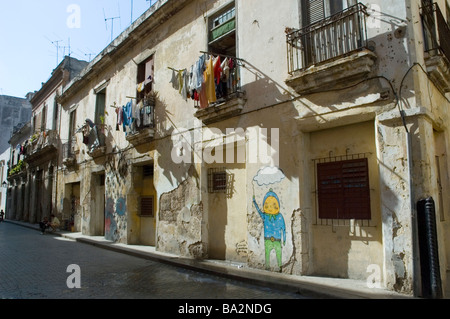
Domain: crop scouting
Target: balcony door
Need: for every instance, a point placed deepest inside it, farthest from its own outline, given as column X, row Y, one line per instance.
column 316, row 10
column 320, row 40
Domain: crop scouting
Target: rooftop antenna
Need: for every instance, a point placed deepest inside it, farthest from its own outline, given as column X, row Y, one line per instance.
column 112, row 23
column 89, row 55
column 131, row 12
column 70, row 52
column 56, row 44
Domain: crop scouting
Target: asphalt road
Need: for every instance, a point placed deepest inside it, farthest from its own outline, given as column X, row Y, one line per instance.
column 35, row 266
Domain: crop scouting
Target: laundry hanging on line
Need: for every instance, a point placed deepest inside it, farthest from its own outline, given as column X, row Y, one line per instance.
column 134, row 115
column 208, row 79
column 141, row 86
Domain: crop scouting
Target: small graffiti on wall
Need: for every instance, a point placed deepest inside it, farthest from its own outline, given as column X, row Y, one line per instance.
column 274, row 224
column 242, row 248
column 121, row 206
column 110, row 222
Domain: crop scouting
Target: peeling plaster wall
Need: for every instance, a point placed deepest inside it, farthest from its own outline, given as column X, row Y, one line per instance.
column 180, row 218
column 396, row 206
column 360, row 119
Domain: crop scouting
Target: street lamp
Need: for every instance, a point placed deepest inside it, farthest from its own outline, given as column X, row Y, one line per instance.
column 5, row 185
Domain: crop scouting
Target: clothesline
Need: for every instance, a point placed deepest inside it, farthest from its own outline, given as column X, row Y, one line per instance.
column 222, row 55
column 173, row 69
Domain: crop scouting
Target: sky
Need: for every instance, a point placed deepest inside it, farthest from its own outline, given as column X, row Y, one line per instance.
column 35, row 36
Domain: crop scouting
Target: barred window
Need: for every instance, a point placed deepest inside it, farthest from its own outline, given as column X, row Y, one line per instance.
column 147, row 206
column 217, row 180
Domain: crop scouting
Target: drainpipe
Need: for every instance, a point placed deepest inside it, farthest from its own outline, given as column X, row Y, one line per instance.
column 416, row 275
column 429, row 257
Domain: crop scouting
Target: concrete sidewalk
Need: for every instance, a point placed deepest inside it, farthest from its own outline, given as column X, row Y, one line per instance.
column 318, row 287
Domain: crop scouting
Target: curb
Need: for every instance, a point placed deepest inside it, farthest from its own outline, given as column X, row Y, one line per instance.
column 307, row 286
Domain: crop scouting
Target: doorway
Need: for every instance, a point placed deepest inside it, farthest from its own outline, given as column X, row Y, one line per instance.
column 227, row 213
column 97, row 223
column 71, row 207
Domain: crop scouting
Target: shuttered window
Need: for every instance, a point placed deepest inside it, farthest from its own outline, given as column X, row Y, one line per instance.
column 147, row 206
column 343, row 189
column 316, row 11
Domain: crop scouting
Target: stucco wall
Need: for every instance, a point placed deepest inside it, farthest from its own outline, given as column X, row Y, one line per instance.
column 363, row 118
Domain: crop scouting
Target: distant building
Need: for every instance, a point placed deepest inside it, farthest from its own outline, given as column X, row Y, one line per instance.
column 17, row 177
column 14, row 111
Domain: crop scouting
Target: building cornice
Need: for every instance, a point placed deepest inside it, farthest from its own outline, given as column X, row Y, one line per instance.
column 154, row 17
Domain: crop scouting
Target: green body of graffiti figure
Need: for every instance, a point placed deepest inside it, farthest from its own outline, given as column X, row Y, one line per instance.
column 274, row 226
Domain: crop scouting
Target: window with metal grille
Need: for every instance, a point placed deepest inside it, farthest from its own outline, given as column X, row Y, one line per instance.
column 343, row 189
column 147, row 171
column 217, row 180
column 147, row 206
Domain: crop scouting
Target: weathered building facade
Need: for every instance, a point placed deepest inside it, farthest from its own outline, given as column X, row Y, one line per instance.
column 34, row 151
column 17, row 173
column 294, row 136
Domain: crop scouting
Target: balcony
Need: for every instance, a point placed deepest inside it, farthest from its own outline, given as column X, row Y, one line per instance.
column 143, row 131
column 69, row 154
column 230, row 98
column 96, row 146
column 94, row 138
column 330, row 53
column 42, row 145
column 437, row 46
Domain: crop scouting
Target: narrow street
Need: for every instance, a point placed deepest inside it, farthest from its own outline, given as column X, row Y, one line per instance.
column 35, row 266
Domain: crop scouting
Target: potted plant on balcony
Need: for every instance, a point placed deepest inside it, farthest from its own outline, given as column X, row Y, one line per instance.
column 150, row 98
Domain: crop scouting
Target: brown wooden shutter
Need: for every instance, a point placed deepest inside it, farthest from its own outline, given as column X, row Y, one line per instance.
column 343, row 189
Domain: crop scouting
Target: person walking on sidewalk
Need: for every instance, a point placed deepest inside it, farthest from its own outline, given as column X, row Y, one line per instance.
column 2, row 215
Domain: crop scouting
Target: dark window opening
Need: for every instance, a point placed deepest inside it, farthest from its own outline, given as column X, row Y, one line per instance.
column 145, row 79
column 102, row 179
column 147, row 171
column 100, row 108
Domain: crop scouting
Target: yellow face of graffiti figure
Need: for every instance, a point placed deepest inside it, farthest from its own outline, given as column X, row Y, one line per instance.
column 271, row 206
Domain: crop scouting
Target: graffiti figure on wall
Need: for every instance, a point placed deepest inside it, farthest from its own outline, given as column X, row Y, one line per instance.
column 274, row 224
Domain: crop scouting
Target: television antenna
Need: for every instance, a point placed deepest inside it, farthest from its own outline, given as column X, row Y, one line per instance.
column 112, row 23
column 56, row 44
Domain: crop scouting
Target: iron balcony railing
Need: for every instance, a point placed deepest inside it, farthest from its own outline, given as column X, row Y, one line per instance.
column 436, row 31
column 327, row 39
column 42, row 141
